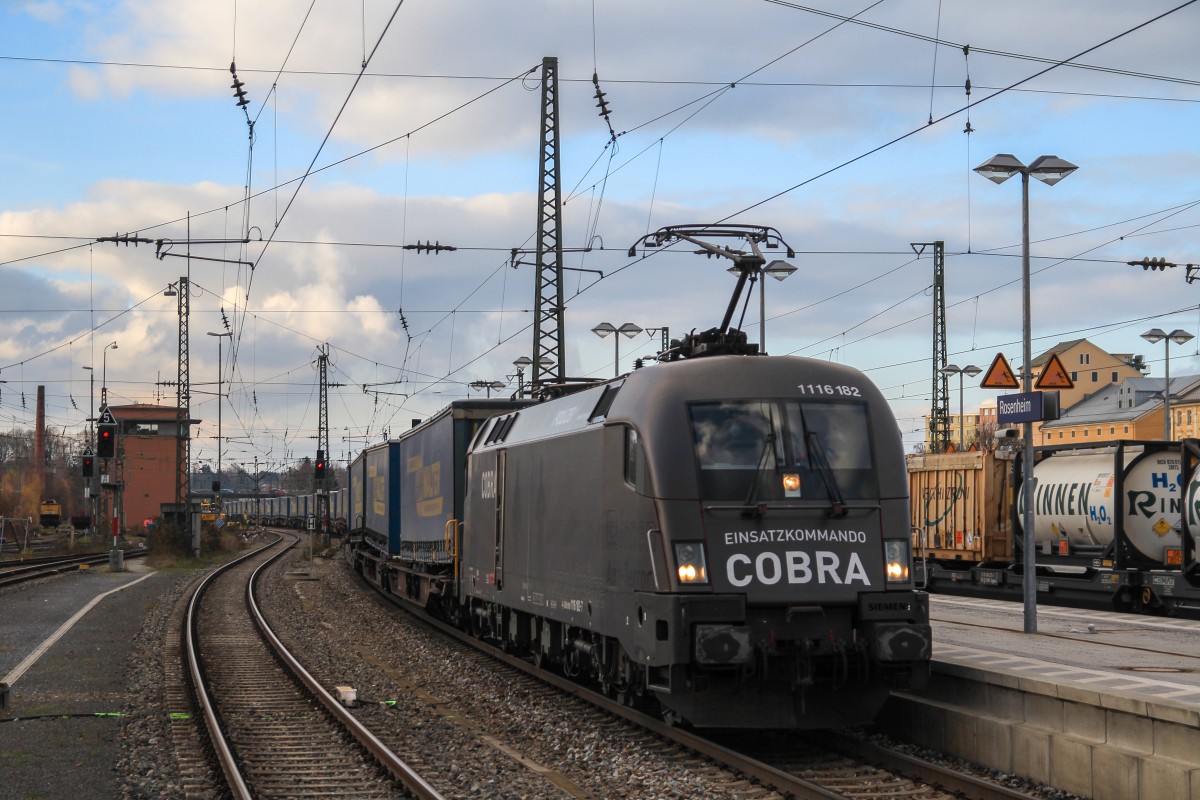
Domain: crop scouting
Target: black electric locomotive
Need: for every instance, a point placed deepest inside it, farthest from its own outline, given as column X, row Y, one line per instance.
column 725, row 536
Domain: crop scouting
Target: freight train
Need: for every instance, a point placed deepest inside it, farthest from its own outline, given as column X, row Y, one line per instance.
column 723, row 539
column 291, row 511
column 1108, row 525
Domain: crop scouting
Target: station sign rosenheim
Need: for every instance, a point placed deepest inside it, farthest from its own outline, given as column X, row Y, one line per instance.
column 1034, row 406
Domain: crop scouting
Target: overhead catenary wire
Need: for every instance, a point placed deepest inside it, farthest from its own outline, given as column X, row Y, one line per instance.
column 856, row 20
column 723, row 86
column 660, row 153
column 996, row 93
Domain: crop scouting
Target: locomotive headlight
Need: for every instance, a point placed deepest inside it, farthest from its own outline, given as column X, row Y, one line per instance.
column 896, row 559
column 791, row 485
column 691, row 565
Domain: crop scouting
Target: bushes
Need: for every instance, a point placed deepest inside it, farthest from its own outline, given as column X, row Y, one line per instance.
column 172, row 547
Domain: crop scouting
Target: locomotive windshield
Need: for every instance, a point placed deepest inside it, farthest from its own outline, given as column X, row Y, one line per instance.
column 763, row 450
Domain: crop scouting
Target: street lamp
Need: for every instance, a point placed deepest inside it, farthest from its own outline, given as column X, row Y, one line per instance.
column 777, row 269
column 104, row 373
column 628, row 330
column 1178, row 336
column 488, row 385
column 971, row 371
column 220, row 376
column 1049, row 170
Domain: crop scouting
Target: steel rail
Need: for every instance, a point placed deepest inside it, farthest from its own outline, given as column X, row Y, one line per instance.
column 953, row 782
column 791, row 785
column 787, row 783
column 14, row 572
column 221, row 747
column 224, row 755
column 390, row 761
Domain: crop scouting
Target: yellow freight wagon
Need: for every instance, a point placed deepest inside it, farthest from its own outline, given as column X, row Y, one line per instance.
column 960, row 507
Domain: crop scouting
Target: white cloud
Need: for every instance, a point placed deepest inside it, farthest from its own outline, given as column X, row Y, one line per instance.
column 115, row 149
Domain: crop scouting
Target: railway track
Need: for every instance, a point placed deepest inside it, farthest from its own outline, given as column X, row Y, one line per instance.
column 14, row 572
column 793, row 765
column 832, row 765
column 274, row 730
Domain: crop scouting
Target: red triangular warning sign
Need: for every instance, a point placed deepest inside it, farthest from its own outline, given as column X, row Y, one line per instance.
column 999, row 375
column 1054, row 375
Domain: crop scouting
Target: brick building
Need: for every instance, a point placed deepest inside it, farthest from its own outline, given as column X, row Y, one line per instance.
column 147, row 446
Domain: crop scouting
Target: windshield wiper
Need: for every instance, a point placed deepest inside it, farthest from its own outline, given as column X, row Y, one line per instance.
column 752, row 505
column 816, row 454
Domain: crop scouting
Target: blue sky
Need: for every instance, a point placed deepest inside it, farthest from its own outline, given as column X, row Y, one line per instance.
column 122, row 120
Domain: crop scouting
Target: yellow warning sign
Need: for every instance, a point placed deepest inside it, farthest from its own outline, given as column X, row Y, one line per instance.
column 1054, row 375
column 999, row 375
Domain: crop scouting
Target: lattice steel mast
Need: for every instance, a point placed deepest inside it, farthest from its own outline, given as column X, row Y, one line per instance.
column 321, row 483
column 183, row 487
column 548, row 334
column 939, row 412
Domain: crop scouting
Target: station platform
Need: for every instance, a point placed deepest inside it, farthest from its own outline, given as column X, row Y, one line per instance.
column 1095, row 703
column 66, row 650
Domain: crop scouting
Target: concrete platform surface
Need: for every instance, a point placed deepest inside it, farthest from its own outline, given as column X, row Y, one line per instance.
column 1154, row 658
column 1102, row 705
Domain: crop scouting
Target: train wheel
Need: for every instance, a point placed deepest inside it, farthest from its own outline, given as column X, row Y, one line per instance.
column 1154, row 605
column 476, row 622
column 632, row 692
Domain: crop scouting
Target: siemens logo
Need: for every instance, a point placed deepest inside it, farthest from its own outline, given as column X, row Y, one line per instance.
column 905, row 607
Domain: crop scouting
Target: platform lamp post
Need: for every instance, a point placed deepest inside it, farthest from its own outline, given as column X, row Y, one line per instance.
column 777, row 269
column 628, row 330
column 104, row 372
column 1178, row 336
column 521, row 363
column 970, row 370
column 220, row 375
column 1049, row 170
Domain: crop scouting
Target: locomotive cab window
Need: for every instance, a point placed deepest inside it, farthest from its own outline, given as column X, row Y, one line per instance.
column 635, row 460
column 766, row 450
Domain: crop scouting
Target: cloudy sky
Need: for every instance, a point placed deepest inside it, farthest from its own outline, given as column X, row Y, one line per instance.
column 841, row 125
